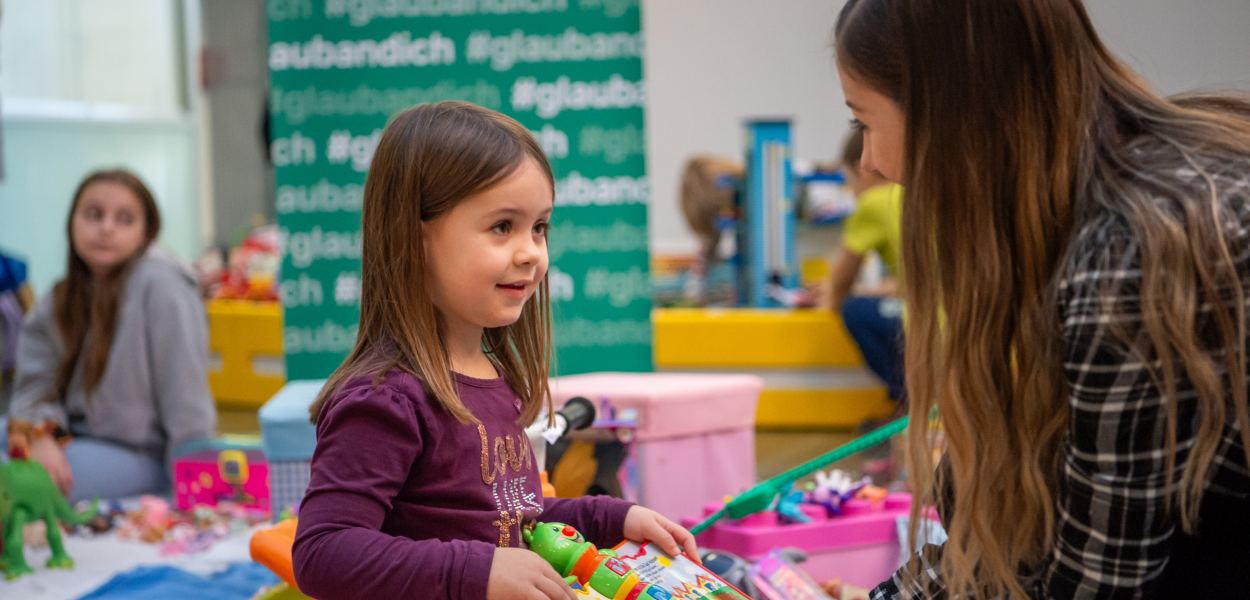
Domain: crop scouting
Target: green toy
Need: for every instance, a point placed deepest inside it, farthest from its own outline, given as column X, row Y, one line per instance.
column 578, row 561
column 27, row 494
column 760, row 497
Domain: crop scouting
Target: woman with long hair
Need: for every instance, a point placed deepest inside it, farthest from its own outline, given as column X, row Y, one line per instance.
column 1076, row 251
column 111, row 366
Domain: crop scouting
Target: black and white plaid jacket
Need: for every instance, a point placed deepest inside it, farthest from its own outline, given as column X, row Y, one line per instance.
column 1115, row 536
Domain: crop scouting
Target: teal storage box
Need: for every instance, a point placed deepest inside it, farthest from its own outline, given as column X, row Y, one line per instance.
column 288, row 438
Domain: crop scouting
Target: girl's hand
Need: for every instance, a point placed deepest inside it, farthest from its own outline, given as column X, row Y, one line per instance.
column 646, row 525
column 841, row 591
column 518, row 574
column 45, row 450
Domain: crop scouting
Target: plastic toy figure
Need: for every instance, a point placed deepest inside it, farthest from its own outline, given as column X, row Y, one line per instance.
column 27, row 494
column 579, row 561
column 831, row 490
column 790, row 506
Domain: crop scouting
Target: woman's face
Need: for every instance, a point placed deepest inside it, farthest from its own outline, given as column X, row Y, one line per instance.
column 108, row 226
column 882, row 122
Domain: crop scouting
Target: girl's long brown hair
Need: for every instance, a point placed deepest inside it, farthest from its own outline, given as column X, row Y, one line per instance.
column 85, row 307
column 430, row 158
column 1019, row 125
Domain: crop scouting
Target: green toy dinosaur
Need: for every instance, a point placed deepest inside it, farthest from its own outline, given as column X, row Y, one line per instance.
column 27, row 494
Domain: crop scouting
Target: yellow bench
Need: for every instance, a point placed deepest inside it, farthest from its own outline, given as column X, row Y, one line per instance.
column 813, row 373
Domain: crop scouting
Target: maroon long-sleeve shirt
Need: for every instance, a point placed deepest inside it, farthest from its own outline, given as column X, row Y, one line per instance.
column 407, row 502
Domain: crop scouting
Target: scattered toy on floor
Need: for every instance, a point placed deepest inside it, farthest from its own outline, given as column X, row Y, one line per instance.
column 27, row 494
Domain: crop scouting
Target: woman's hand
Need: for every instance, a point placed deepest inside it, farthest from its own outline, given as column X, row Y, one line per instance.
column 45, row 450
column 645, row 525
column 841, row 591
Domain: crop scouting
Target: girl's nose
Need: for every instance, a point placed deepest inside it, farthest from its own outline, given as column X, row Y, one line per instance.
column 529, row 252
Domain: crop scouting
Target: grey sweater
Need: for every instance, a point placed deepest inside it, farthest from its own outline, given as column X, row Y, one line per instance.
column 154, row 394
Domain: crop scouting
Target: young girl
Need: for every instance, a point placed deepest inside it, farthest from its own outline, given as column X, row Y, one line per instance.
column 1076, row 253
column 116, row 355
column 423, row 477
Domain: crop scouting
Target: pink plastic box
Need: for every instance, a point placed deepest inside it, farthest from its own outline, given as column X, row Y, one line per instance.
column 693, row 435
column 210, row 476
column 861, row 545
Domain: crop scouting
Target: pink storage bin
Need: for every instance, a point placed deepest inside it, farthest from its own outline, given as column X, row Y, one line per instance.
column 860, row 546
column 693, row 435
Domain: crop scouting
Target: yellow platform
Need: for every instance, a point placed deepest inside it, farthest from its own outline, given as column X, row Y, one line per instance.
column 839, row 408
column 245, row 341
column 779, row 345
column 701, row 338
column 790, row 349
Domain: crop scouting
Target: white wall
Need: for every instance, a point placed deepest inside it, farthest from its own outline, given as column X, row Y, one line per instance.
column 1179, row 46
column 121, row 53
column 711, row 63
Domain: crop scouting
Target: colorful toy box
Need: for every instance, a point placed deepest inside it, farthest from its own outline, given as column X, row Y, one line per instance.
column 211, row 475
column 288, row 439
column 861, row 546
column 692, row 436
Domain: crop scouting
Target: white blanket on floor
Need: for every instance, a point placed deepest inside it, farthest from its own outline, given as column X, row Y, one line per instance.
column 98, row 559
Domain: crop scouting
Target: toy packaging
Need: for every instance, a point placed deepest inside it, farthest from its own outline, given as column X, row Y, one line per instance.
column 679, row 576
column 776, row 578
column 630, row 571
column 207, row 476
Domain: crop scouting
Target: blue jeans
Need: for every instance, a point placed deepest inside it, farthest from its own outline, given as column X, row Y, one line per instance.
column 876, row 324
column 106, row 470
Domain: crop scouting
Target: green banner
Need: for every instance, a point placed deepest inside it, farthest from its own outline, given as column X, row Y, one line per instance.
column 569, row 70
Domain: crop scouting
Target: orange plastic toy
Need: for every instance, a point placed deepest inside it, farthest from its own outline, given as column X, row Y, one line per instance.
column 272, row 547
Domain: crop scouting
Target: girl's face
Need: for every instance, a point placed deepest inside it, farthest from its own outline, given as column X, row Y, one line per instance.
column 488, row 254
column 107, row 227
column 883, row 125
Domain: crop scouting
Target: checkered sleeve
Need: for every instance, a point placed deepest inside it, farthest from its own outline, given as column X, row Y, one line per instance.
column 928, row 585
column 1113, row 532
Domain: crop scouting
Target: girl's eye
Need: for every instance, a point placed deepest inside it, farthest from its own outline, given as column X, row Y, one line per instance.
column 93, row 214
column 502, row 227
column 125, row 218
column 541, row 229
column 857, row 125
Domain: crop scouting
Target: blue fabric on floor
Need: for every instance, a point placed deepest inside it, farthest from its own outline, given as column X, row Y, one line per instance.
column 239, row 581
